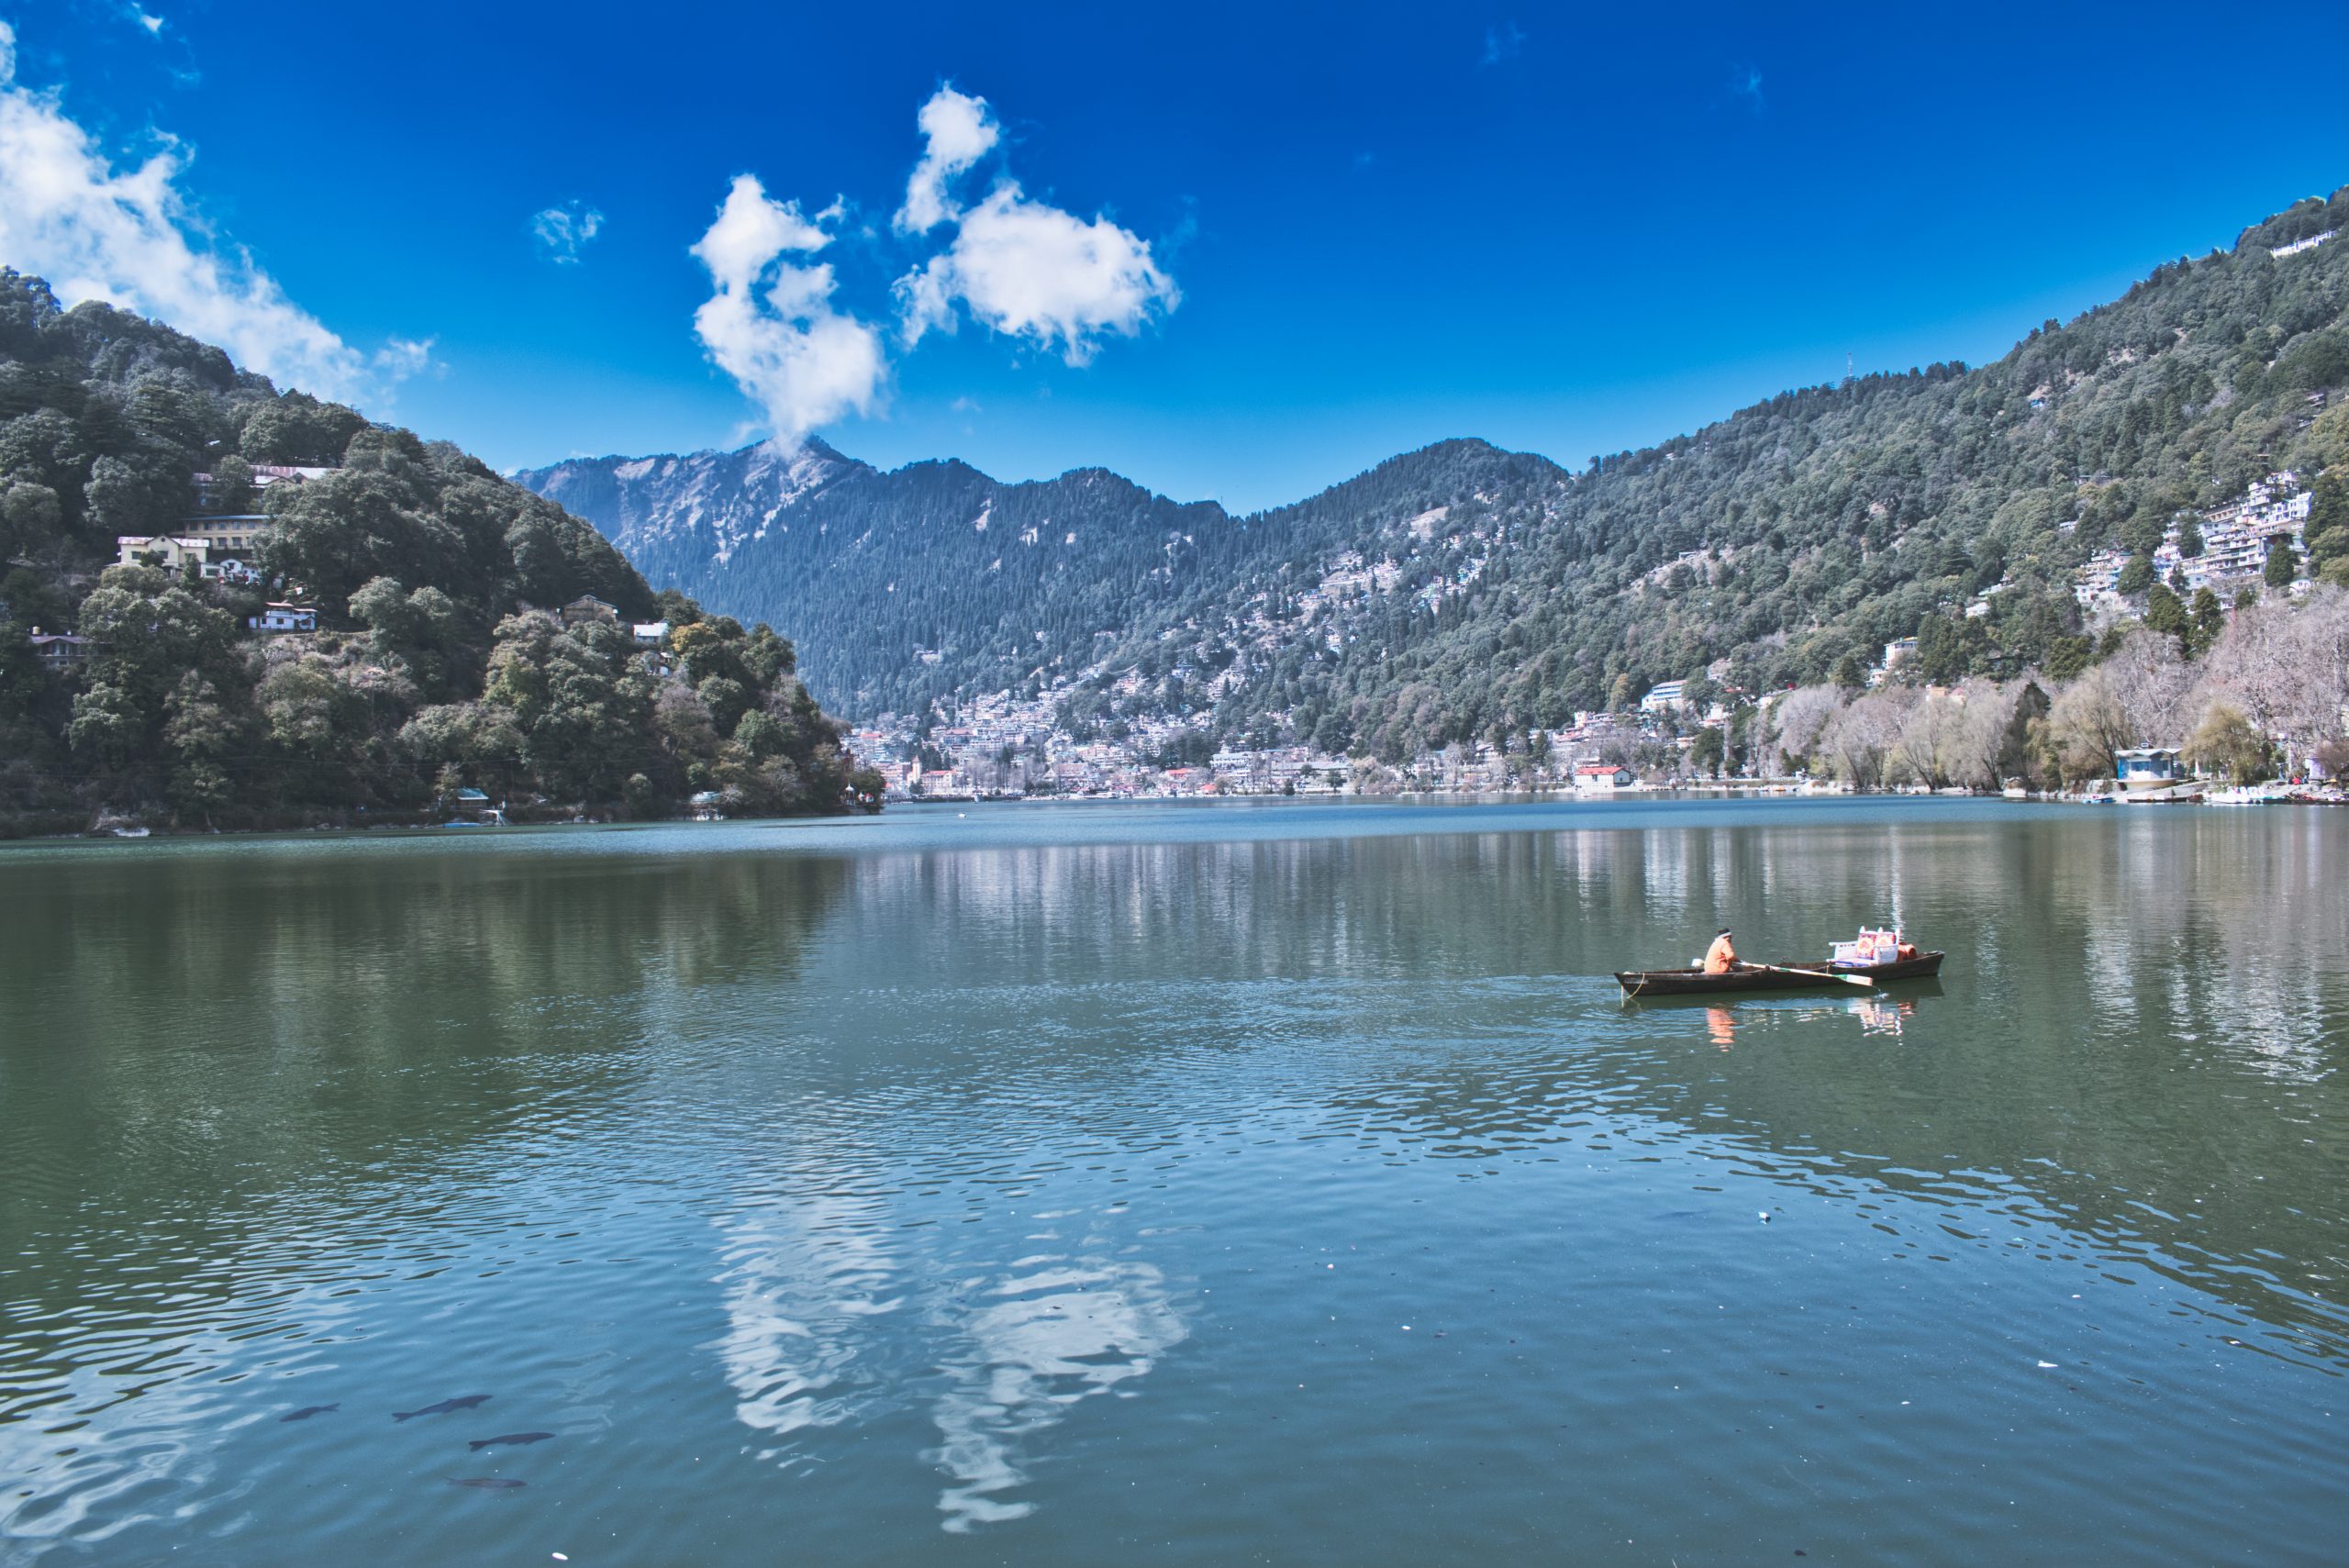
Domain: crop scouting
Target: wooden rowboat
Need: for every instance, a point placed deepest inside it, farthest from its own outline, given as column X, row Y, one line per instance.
column 1694, row 982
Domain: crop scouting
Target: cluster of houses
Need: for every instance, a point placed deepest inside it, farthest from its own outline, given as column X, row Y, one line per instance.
column 2235, row 541
column 1007, row 747
column 191, row 556
column 217, row 544
column 213, row 544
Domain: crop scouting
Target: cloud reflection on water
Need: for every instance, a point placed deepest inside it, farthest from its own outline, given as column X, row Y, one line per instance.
column 801, row 1278
column 1016, row 1344
column 1067, row 1330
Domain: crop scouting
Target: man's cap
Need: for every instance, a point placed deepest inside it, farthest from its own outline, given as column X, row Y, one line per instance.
column 1722, row 932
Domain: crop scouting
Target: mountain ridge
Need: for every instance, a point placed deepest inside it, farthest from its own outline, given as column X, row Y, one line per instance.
column 1461, row 588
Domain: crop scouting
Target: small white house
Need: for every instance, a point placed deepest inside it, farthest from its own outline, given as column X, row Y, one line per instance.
column 2150, row 767
column 284, row 618
column 1603, row 778
column 59, row 651
column 650, row 633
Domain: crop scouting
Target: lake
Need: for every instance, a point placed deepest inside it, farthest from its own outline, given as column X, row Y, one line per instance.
column 1187, row 1183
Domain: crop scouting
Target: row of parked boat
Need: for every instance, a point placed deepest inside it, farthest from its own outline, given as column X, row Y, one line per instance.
column 2103, row 793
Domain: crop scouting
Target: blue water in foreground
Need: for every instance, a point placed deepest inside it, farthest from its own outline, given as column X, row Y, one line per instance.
column 1179, row 1182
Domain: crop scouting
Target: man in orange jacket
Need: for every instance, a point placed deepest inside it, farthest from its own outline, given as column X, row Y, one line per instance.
column 1721, row 957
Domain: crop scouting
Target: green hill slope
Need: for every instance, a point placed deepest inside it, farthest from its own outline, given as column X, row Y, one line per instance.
column 421, row 668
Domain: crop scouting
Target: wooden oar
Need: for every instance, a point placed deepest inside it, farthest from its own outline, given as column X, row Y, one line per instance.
column 1859, row 979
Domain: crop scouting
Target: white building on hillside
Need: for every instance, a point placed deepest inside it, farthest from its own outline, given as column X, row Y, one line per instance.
column 171, row 551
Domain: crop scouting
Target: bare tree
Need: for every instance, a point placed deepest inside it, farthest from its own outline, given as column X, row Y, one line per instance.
column 2089, row 726
column 2151, row 682
column 1922, row 751
column 1792, row 725
column 1972, row 748
column 2281, row 665
column 1859, row 738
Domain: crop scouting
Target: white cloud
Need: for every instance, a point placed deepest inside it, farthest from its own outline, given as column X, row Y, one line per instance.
column 563, row 231
column 1021, row 267
column 959, row 131
column 1029, row 269
column 1017, row 266
column 800, row 360
column 1502, row 42
column 130, row 237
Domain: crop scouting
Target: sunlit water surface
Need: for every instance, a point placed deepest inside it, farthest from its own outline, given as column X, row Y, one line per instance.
column 1075, row 1184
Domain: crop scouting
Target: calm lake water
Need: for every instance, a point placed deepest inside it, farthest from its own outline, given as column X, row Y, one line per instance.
column 1194, row 1184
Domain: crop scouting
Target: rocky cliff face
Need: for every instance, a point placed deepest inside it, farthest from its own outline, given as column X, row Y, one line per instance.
column 705, row 505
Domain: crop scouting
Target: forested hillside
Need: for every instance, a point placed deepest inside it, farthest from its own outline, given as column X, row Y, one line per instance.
column 433, row 655
column 1461, row 590
column 875, row 570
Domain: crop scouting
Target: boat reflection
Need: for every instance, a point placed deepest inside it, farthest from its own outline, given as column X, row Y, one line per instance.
column 1879, row 1015
column 1884, row 1013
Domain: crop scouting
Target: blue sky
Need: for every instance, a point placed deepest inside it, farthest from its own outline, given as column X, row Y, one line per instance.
column 1570, row 230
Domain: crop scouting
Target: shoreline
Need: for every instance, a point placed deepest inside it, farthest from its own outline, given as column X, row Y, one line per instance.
column 925, row 805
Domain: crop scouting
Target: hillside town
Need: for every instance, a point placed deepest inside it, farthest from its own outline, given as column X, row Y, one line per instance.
column 1009, row 745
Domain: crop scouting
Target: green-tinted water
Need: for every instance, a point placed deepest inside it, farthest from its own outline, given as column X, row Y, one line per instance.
column 1079, row 1185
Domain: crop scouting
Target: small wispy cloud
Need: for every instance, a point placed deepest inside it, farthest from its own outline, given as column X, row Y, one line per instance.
column 146, row 19
column 1503, row 41
column 1746, row 83
column 401, row 358
column 957, row 131
column 563, row 231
